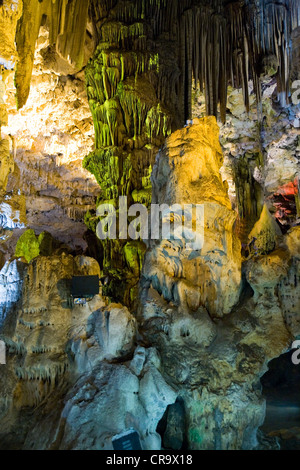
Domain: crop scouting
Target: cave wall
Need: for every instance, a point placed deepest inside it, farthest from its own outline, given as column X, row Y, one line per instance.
column 139, row 84
column 204, row 325
column 43, row 183
column 186, row 343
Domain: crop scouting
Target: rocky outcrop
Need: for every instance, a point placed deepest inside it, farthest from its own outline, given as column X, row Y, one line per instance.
column 113, row 398
column 184, row 370
column 187, row 171
column 79, row 364
column 44, row 186
column 110, row 334
column 214, row 363
column 266, row 234
column 37, row 330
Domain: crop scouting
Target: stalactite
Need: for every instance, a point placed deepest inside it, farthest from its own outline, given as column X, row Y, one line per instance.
column 67, row 22
column 132, row 85
column 70, row 40
column 139, row 82
column 226, row 41
column 217, row 41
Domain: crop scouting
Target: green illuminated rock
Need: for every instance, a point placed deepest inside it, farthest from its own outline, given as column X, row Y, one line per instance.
column 131, row 86
column 30, row 246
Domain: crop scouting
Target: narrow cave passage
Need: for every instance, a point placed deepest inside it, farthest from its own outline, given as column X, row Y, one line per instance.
column 280, row 386
column 172, row 426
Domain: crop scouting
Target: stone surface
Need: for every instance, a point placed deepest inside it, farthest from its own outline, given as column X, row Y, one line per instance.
column 41, row 157
column 10, row 12
column 261, row 156
column 187, row 171
column 221, row 360
column 266, row 234
column 210, row 319
column 36, row 331
column 105, row 403
column 109, row 334
column 11, row 281
column 6, row 163
column 83, row 356
column 67, row 24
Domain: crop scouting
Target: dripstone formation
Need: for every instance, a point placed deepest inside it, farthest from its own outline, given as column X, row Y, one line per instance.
column 187, row 102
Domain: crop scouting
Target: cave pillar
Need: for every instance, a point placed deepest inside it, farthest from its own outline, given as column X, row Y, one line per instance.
column 132, row 86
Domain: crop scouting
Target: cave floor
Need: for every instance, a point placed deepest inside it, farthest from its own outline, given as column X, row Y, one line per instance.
column 283, row 421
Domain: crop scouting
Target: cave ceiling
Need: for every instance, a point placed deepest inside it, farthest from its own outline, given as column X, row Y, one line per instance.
column 218, row 42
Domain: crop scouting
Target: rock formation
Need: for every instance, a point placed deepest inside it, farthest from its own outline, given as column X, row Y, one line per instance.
column 187, row 171
column 83, row 358
column 184, row 104
column 214, row 363
column 43, row 184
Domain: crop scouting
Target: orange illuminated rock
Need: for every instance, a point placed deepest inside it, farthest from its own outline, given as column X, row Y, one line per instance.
column 187, row 171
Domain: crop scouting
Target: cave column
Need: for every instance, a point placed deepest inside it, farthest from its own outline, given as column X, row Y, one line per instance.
column 132, row 86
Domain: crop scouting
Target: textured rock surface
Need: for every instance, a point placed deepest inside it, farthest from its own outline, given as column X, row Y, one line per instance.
column 106, row 402
column 67, row 23
column 209, row 320
column 215, row 364
column 261, row 155
column 187, row 171
column 288, row 291
column 10, row 12
column 71, row 357
column 135, row 98
column 37, row 331
column 6, row 163
column 41, row 157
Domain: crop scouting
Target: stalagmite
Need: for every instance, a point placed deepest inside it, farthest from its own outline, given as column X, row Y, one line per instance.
column 178, row 327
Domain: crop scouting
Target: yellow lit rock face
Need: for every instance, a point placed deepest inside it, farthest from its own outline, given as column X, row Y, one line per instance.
column 191, row 162
column 188, row 172
column 42, row 152
column 6, row 164
column 67, row 23
column 10, row 12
